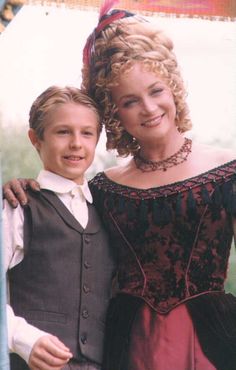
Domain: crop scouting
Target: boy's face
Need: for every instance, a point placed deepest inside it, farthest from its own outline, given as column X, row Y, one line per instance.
column 69, row 140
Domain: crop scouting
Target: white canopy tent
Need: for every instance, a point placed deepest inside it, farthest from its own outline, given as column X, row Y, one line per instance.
column 43, row 46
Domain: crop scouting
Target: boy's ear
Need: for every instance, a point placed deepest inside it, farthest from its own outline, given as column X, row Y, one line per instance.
column 34, row 139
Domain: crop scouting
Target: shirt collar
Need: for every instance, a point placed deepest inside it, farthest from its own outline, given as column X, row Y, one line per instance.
column 58, row 184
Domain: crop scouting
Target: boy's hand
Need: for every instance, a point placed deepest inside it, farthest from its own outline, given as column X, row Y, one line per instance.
column 14, row 191
column 49, row 353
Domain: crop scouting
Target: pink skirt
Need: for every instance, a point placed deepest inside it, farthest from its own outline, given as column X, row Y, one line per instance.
column 165, row 342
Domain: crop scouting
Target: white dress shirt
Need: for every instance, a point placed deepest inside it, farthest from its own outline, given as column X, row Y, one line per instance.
column 21, row 335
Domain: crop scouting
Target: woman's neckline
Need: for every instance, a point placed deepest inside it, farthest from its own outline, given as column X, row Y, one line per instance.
column 188, row 179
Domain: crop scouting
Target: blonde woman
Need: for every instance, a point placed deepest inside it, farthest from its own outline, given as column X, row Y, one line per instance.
column 169, row 210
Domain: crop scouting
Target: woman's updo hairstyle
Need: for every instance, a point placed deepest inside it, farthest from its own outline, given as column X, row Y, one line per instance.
column 112, row 51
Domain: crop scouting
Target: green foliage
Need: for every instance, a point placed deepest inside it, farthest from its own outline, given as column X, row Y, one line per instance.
column 19, row 157
column 230, row 285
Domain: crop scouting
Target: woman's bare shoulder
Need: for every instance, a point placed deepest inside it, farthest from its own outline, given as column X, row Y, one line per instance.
column 118, row 172
column 115, row 172
column 217, row 156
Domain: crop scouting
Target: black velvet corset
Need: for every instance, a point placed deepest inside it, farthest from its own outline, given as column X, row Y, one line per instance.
column 172, row 242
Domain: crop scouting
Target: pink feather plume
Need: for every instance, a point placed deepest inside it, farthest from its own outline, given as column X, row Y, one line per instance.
column 106, row 6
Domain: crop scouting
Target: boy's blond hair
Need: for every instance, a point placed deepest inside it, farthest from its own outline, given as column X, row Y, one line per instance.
column 54, row 96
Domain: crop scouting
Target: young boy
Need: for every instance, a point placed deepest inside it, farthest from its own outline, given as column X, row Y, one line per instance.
column 57, row 253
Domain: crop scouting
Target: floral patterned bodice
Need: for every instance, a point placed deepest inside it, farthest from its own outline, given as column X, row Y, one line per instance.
column 171, row 242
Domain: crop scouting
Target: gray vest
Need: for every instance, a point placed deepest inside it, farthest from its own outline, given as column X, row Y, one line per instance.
column 63, row 284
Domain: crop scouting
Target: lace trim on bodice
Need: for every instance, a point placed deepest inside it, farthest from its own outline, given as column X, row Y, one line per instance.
column 215, row 175
column 172, row 242
column 213, row 187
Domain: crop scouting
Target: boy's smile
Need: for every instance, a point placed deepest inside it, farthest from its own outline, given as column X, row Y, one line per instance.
column 69, row 140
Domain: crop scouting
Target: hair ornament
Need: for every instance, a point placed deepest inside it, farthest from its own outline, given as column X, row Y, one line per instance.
column 105, row 18
column 106, row 6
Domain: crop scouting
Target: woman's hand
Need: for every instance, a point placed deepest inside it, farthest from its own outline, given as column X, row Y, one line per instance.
column 14, row 191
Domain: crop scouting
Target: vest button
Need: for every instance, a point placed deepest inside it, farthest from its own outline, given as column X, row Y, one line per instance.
column 86, row 289
column 86, row 239
column 83, row 338
column 87, row 265
column 85, row 314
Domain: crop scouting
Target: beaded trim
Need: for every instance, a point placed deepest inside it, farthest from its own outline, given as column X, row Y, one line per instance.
column 222, row 172
column 146, row 165
column 213, row 188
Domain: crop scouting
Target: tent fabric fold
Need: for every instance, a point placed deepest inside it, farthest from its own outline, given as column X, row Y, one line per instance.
column 209, row 9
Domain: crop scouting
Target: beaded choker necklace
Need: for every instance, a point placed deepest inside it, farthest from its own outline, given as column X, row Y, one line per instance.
column 146, row 165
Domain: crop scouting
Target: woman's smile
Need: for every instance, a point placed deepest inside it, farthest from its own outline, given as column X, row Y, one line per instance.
column 153, row 122
column 144, row 101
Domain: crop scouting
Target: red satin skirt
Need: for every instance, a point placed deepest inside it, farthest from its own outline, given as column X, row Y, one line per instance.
column 199, row 334
column 165, row 342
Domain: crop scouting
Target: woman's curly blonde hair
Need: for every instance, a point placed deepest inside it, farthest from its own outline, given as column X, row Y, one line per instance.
column 116, row 49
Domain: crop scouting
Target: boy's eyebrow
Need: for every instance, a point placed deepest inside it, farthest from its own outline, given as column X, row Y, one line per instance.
column 61, row 124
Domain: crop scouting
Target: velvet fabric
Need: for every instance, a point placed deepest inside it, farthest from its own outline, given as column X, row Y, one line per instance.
column 172, row 246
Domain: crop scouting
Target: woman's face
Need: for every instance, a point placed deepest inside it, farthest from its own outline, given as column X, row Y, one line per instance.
column 145, row 105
